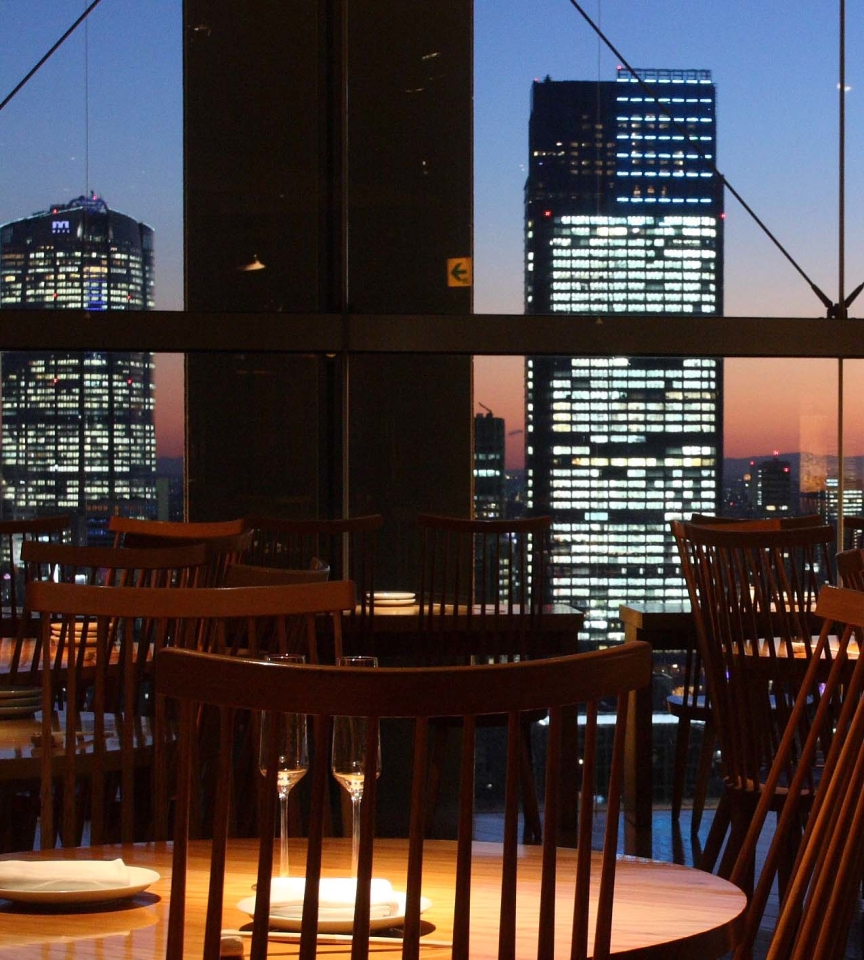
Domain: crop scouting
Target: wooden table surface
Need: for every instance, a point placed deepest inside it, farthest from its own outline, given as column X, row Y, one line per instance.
column 672, row 911
column 21, row 741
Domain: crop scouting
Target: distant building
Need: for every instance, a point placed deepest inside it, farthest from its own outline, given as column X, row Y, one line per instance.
column 623, row 215
column 78, row 429
column 490, row 490
column 774, row 487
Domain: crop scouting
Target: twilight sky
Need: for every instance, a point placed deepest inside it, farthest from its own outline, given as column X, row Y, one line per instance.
column 775, row 66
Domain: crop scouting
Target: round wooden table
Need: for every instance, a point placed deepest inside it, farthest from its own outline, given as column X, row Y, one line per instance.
column 666, row 911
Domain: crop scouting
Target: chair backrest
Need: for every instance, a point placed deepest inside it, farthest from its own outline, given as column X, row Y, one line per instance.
column 102, row 677
column 179, row 566
column 418, row 694
column 487, row 575
column 13, row 534
column 850, row 568
column 348, row 546
column 825, row 729
column 128, row 530
column 765, row 523
column 249, row 575
column 227, row 541
column 753, row 594
column 694, row 684
column 175, row 566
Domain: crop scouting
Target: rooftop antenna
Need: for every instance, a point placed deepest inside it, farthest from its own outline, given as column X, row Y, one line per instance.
column 87, row 108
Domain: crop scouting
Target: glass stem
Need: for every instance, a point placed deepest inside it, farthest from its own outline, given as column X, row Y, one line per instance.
column 283, row 834
column 355, row 832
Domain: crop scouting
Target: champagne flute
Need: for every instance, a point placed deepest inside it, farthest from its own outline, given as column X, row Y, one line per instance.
column 293, row 757
column 349, row 758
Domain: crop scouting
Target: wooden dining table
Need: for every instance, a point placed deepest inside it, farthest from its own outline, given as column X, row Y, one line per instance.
column 666, row 910
column 21, row 742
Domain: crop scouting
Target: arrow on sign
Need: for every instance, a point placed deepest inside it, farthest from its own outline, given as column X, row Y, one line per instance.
column 459, row 272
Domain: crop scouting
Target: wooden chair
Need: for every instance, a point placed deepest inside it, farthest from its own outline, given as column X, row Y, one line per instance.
column 483, row 578
column 96, row 777
column 347, row 545
column 481, row 596
column 248, row 575
column 850, row 568
column 227, row 541
column 692, row 704
column 753, row 594
column 287, row 635
column 419, row 694
column 13, row 534
column 177, row 566
column 825, row 730
column 128, row 530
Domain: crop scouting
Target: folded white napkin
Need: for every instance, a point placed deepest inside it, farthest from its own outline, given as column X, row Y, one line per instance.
column 63, row 874
column 336, row 897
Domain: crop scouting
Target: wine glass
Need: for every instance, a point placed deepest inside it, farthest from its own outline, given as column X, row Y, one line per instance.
column 349, row 758
column 293, row 757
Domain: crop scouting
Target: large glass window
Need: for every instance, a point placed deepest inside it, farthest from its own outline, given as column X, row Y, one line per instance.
column 600, row 136
column 91, row 207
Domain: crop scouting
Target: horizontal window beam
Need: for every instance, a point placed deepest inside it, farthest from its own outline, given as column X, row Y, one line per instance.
column 182, row 332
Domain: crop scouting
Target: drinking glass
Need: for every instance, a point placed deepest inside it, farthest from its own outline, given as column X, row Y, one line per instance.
column 349, row 758
column 293, row 757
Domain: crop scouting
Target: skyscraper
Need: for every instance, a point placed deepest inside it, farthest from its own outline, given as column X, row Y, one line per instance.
column 78, row 430
column 623, row 214
column 490, row 494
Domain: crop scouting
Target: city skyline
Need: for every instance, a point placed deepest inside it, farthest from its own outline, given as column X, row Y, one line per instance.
column 775, row 70
column 78, row 430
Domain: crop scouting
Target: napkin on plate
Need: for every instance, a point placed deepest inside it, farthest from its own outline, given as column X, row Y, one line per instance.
column 63, row 874
column 335, row 898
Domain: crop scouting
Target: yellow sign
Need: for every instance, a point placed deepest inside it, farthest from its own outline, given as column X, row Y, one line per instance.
column 459, row 272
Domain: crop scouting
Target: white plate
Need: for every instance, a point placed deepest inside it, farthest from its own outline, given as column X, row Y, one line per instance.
column 386, row 595
column 339, row 924
column 139, row 879
column 395, row 603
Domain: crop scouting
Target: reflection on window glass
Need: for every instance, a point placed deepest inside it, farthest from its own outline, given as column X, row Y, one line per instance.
column 91, row 219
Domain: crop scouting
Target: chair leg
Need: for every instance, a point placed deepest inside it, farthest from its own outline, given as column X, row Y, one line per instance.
column 716, row 835
column 703, row 775
column 741, row 810
column 682, row 749
column 532, row 829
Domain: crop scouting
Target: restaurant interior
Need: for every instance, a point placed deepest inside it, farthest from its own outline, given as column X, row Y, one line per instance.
column 339, row 383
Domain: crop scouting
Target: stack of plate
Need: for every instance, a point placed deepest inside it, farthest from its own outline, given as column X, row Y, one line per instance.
column 89, row 637
column 394, row 598
column 19, row 701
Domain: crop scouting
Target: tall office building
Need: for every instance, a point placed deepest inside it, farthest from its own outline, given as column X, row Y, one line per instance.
column 78, row 430
column 623, row 214
column 774, row 487
column 490, row 491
